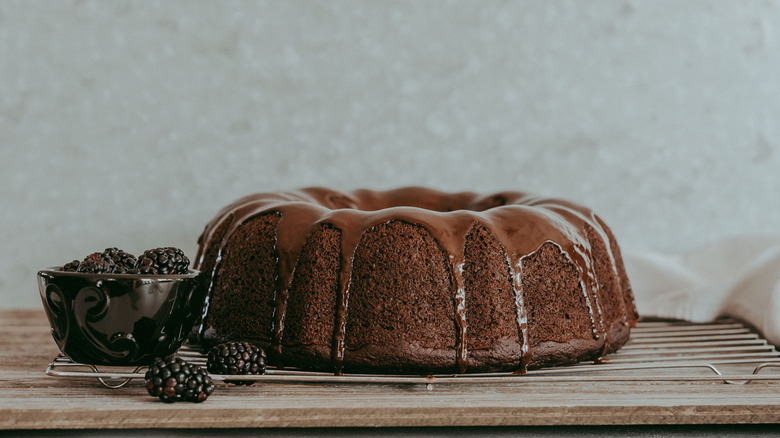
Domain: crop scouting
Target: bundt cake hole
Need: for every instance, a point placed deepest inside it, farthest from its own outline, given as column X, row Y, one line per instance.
column 435, row 204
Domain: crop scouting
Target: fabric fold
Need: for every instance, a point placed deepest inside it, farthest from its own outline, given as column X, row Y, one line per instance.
column 737, row 276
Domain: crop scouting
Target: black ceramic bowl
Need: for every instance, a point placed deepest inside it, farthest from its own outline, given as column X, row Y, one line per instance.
column 120, row 319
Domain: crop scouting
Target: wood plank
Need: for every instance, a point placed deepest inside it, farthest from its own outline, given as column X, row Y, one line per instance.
column 29, row 399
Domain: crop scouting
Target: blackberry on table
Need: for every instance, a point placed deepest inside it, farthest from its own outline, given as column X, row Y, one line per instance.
column 236, row 358
column 166, row 260
column 199, row 386
column 175, row 380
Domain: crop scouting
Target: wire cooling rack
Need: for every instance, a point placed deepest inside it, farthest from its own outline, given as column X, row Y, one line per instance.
column 724, row 351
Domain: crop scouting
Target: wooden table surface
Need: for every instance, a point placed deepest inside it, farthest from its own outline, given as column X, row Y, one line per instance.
column 30, row 399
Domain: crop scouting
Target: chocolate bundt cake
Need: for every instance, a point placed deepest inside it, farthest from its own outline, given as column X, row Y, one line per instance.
column 414, row 280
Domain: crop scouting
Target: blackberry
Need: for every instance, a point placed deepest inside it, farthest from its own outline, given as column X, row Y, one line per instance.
column 144, row 270
column 174, row 380
column 96, row 264
column 199, row 386
column 123, row 261
column 236, row 358
column 110, row 261
column 167, row 260
column 71, row 267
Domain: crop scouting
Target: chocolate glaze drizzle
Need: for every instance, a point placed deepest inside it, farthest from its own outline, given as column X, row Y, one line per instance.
column 521, row 223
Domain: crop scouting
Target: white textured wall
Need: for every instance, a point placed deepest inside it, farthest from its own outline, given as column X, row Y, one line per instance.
column 131, row 123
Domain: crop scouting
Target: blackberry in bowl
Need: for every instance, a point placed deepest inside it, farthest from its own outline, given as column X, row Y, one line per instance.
column 109, row 318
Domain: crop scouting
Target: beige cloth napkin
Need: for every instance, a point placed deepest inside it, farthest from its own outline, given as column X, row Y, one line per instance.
column 736, row 276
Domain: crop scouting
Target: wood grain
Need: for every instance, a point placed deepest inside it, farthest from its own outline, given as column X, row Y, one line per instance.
column 29, row 399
